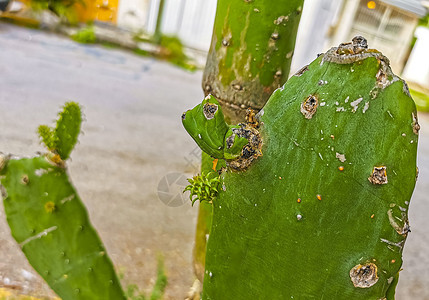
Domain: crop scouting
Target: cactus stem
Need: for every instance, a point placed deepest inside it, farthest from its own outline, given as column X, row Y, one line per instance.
column 378, row 176
column 364, row 276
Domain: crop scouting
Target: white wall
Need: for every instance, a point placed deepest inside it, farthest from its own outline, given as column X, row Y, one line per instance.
column 417, row 67
column 133, row 14
column 191, row 20
column 313, row 34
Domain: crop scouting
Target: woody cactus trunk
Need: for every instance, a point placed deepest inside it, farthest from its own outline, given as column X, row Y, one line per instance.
column 250, row 56
column 315, row 204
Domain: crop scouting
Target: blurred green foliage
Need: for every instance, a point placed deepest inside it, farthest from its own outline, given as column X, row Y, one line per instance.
column 133, row 292
column 421, row 99
column 173, row 51
column 64, row 9
column 85, row 35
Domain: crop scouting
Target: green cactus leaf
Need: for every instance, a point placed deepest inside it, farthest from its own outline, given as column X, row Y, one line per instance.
column 63, row 138
column 323, row 213
column 68, row 129
column 205, row 123
column 161, row 281
column 48, row 137
column 234, row 143
column 50, row 223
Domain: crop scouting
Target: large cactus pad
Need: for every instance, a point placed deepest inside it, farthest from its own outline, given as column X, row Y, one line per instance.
column 323, row 213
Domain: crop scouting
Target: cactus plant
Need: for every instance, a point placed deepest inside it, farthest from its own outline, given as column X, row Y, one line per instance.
column 244, row 66
column 323, row 212
column 49, row 221
column 251, row 51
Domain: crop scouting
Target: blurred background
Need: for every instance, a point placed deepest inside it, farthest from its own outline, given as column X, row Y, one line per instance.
column 135, row 66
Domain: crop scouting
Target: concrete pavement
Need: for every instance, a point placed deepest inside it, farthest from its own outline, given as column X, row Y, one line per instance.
column 132, row 139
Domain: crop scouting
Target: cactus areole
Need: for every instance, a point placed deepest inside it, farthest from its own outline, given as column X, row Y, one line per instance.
column 323, row 212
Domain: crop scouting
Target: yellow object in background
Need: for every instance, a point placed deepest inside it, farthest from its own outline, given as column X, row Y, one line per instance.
column 371, row 4
column 98, row 10
column 10, row 294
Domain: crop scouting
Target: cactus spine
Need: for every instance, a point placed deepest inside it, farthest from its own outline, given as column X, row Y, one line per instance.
column 323, row 213
column 49, row 221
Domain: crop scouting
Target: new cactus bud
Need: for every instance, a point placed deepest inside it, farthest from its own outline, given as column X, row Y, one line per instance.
column 341, row 137
column 238, row 144
column 203, row 187
column 206, row 125
column 62, row 139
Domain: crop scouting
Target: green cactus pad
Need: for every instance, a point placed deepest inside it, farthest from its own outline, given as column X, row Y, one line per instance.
column 238, row 144
column 50, row 222
column 234, row 143
column 63, row 138
column 51, row 225
column 323, row 213
column 205, row 123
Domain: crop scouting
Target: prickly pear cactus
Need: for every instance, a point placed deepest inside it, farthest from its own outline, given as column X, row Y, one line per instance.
column 322, row 214
column 49, row 221
column 238, row 144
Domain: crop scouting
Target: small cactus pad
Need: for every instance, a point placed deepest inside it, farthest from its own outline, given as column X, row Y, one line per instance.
column 206, row 124
column 238, row 144
column 323, row 213
column 63, row 138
